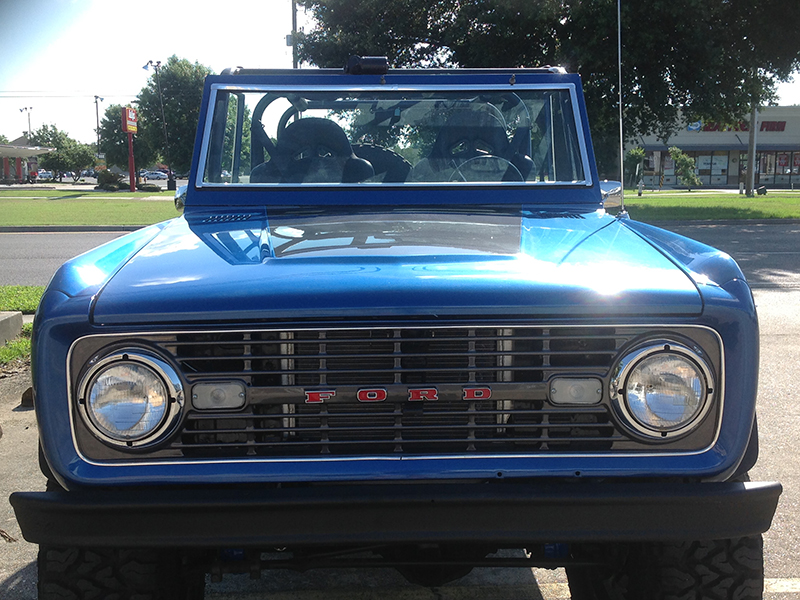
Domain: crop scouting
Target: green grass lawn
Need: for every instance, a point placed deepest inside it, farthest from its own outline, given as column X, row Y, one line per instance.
column 698, row 205
column 87, row 207
column 81, row 207
column 22, row 298
column 19, row 348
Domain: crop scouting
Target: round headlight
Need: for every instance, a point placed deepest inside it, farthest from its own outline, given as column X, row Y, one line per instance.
column 662, row 389
column 130, row 397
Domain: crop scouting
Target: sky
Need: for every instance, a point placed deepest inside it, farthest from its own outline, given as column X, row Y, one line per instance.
column 56, row 55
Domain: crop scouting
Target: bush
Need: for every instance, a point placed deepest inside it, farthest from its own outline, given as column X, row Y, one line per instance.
column 109, row 187
column 149, row 187
column 105, row 177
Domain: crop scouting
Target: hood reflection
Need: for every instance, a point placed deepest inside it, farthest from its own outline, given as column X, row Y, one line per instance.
column 289, row 233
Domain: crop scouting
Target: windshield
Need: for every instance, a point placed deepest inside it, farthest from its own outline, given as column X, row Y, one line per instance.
column 392, row 137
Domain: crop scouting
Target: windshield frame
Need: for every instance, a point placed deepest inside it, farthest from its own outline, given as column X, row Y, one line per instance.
column 217, row 88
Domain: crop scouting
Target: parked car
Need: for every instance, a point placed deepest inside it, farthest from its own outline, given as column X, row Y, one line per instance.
column 155, row 175
column 45, row 175
column 404, row 331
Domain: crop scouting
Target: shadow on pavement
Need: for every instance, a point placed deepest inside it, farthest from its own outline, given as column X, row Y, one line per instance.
column 20, row 585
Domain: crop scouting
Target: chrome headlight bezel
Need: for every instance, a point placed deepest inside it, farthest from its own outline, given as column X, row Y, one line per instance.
column 634, row 358
column 164, row 373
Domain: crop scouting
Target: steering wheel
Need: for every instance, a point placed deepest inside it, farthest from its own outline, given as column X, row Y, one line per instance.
column 486, row 168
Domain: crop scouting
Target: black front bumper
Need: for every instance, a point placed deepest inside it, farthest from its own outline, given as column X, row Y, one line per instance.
column 506, row 514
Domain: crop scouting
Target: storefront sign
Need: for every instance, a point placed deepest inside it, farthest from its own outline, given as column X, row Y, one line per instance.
column 129, row 120
column 773, row 126
column 712, row 126
column 740, row 126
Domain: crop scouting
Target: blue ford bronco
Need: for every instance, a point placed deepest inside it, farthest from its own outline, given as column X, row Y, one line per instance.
column 395, row 325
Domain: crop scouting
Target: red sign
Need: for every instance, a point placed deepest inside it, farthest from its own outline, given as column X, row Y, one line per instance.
column 714, row 126
column 797, row 159
column 773, row 126
column 129, row 120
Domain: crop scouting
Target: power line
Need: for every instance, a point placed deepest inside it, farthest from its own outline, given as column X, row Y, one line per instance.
column 34, row 94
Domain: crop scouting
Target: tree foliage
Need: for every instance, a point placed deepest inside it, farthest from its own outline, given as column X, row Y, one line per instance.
column 182, row 91
column 114, row 141
column 230, row 135
column 634, row 163
column 70, row 155
column 3, row 139
column 681, row 58
column 684, row 168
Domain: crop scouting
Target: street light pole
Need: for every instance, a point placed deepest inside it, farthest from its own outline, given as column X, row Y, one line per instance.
column 28, row 110
column 97, row 114
column 157, row 67
column 619, row 99
column 294, row 34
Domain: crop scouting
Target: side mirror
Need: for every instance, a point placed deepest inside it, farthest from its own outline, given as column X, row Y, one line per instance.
column 180, row 197
column 611, row 191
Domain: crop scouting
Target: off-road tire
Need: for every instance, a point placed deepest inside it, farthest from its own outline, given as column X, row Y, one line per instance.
column 114, row 574
column 707, row 570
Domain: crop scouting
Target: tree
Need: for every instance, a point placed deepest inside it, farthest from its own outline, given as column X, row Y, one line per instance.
column 684, row 168
column 114, row 141
column 70, row 155
column 182, row 91
column 3, row 139
column 230, row 135
column 682, row 59
column 634, row 163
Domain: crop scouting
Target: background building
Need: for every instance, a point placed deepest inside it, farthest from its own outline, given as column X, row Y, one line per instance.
column 720, row 151
column 19, row 159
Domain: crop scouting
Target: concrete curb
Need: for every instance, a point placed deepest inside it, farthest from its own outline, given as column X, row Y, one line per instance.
column 10, row 326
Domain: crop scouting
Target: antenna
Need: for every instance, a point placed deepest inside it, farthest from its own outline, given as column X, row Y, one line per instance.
column 619, row 89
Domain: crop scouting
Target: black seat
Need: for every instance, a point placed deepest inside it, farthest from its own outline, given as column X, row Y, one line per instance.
column 470, row 134
column 313, row 150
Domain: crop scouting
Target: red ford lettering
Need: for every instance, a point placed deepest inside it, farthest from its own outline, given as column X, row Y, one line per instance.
column 420, row 394
column 477, row 393
column 319, row 396
column 377, row 395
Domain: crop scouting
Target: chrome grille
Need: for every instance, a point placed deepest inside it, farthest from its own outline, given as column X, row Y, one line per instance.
column 388, row 428
column 278, row 365
column 386, row 356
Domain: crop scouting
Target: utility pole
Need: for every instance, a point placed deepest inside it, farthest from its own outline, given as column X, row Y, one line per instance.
column 751, row 150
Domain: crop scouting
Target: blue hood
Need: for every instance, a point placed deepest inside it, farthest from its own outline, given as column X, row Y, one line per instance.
column 390, row 263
